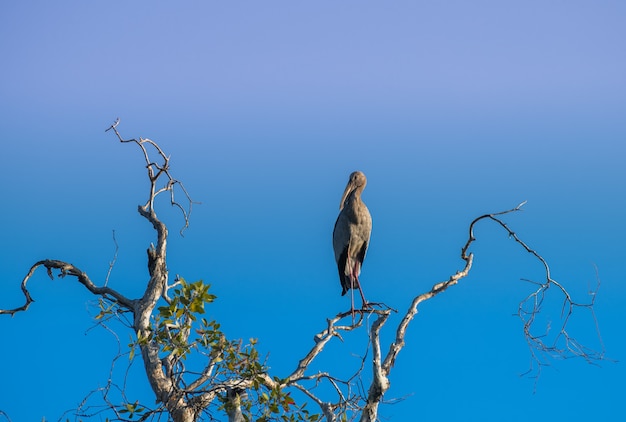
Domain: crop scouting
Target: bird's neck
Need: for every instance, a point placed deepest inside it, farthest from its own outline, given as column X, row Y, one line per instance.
column 354, row 197
column 354, row 204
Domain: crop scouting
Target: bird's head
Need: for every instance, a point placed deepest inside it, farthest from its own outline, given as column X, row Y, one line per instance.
column 357, row 181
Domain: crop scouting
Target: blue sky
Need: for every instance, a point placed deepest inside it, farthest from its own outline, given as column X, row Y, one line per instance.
column 451, row 109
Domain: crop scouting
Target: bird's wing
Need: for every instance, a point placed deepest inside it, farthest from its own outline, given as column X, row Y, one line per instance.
column 341, row 234
column 341, row 240
column 346, row 284
column 361, row 254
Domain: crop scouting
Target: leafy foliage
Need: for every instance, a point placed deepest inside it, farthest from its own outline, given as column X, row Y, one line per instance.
column 182, row 333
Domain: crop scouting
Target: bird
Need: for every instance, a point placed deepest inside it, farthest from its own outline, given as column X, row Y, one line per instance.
column 351, row 235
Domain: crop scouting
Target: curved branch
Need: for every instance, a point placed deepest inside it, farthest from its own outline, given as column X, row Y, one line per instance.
column 332, row 330
column 380, row 382
column 398, row 344
column 327, row 408
column 321, row 339
column 155, row 171
column 71, row 270
column 530, row 307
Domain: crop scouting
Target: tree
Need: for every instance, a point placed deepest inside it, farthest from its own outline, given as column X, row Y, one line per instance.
column 195, row 371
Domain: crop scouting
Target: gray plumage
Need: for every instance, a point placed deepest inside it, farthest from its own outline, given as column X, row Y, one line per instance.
column 351, row 235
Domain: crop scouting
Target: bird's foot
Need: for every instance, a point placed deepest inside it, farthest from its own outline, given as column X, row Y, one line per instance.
column 369, row 306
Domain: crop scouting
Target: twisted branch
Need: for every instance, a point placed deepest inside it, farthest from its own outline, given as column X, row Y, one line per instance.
column 155, row 171
column 381, row 367
column 71, row 270
column 185, row 401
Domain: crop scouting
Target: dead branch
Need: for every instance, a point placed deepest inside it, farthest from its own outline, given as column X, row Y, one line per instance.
column 155, row 171
column 71, row 270
column 529, row 309
column 113, row 261
column 184, row 399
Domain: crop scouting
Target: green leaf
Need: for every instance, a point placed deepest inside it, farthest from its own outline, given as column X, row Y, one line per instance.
column 197, row 306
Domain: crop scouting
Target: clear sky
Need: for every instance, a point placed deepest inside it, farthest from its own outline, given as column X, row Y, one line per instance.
column 452, row 109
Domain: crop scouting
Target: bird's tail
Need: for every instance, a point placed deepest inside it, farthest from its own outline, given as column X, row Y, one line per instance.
column 346, row 283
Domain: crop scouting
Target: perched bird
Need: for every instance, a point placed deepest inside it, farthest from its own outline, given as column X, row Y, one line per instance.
column 351, row 235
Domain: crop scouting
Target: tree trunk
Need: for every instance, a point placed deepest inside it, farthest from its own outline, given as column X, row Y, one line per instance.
column 233, row 406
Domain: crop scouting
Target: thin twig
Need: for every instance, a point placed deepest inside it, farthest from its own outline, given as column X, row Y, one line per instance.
column 112, row 263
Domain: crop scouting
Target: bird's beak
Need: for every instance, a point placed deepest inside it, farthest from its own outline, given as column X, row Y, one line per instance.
column 349, row 188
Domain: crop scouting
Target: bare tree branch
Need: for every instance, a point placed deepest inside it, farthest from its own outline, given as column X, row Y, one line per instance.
column 71, row 270
column 164, row 334
column 113, row 261
column 381, row 367
column 155, row 171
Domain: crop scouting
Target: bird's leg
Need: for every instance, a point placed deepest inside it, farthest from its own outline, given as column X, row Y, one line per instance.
column 358, row 284
column 354, row 277
column 351, row 277
column 352, row 299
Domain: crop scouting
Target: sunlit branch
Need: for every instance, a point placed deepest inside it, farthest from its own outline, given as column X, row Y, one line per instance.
column 113, row 261
column 537, row 343
column 65, row 270
column 155, row 171
column 231, row 371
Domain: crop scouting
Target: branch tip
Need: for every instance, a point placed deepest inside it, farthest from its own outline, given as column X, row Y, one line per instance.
column 114, row 125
